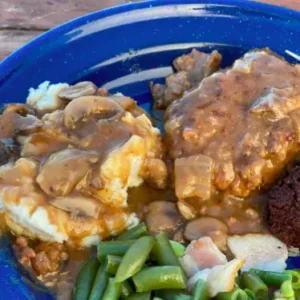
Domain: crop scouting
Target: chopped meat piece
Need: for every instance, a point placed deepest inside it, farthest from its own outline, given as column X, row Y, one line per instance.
column 283, row 208
column 192, row 68
column 260, row 251
column 222, row 278
column 43, row 257
column 205, row 253
column 193, row 177
column 176, row 85
column 243, row 119
column 198, row 65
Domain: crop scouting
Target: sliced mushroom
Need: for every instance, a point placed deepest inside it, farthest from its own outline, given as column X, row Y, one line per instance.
column 82, row 108
column 63, row 170
column 20, row 108
column 41, row 144
column 162, row 216
column 12, row 123
column 84, row 88
column 207, row 226
column 78, row 205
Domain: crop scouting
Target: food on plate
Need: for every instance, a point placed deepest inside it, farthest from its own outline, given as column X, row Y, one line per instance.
column 202, row 254
column 190, row 70
column 260, row 251
column 78, row 157
column 149, row 268
column 244, row 118
column 186, row 215
column 283, row 208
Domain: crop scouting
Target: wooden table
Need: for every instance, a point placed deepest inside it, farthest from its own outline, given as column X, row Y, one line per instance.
column 22, row 20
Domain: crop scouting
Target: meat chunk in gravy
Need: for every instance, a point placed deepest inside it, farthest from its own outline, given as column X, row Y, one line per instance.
column 191, row 69
column 243, row 118
column 42, row 257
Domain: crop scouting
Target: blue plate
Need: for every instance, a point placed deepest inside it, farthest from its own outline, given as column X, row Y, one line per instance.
column 124, row 48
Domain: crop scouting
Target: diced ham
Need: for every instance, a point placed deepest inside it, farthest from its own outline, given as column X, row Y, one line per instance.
column 202, row 254
column 222, row 278
column 205, row 253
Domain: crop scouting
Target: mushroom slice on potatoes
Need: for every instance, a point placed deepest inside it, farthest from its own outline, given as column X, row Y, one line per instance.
column 63, row 170
column 84, row 107
column 80, row 89
column 79, row 206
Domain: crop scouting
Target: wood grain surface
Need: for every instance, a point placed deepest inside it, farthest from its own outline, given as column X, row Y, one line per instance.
column 22, row 20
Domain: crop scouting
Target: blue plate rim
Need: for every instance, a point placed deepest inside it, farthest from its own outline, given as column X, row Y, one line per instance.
column 20, row 54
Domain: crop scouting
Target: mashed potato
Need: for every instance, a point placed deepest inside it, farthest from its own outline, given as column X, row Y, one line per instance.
column 78, row 159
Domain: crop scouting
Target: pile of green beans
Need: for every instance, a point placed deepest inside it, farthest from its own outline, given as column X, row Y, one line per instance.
column 134, row 266
column 137, row 266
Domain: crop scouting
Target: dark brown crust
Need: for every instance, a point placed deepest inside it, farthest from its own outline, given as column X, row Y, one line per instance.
column 283, row 208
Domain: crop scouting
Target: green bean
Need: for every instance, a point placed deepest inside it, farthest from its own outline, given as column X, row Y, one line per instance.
column 177, row 248
column 85, row 279
column 250, row 294
column 133, row 233
column 100, row 283
column 135, row 258
column 156, row 278
column 140, row 296
column 295, row 277
column 254, row 283
column 113, row 290
column 286, row 289
column 112, row 264
column 200, row 291
column 156, row 298
column 112, row 247
column 163, row 252
column 126, row 289
column 182, row 297
column 173, row 295
column 237, row 281
column 271, row 278
column 236, row 294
